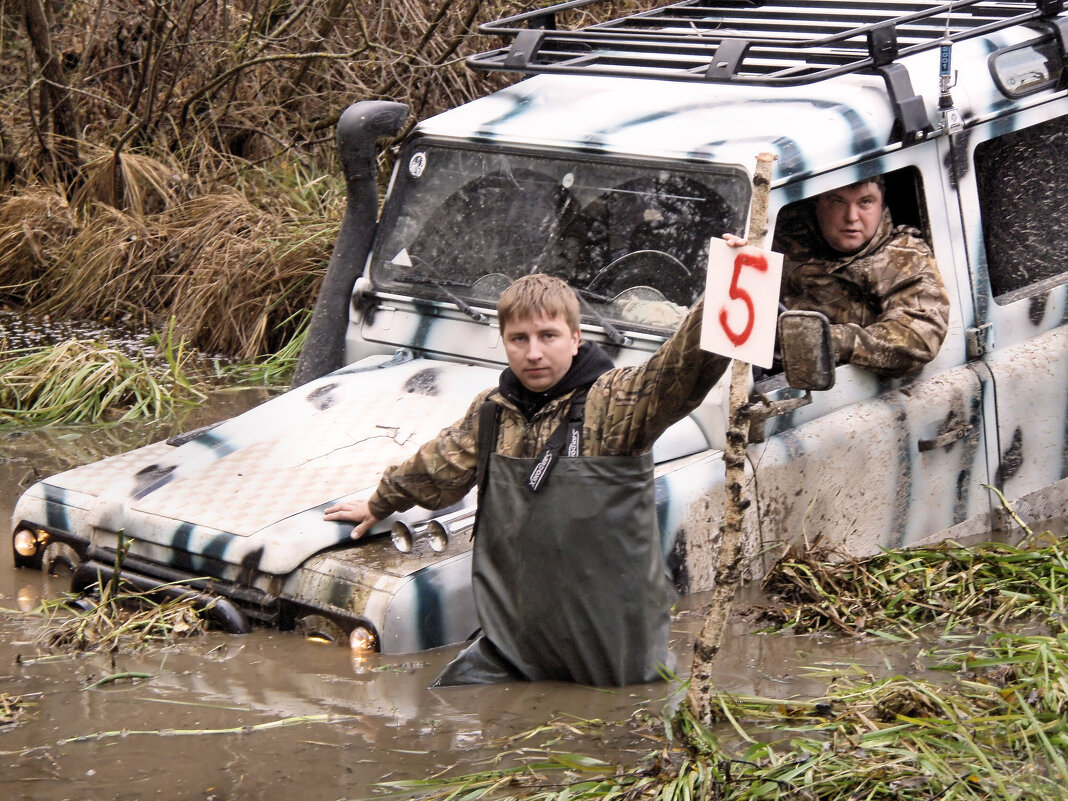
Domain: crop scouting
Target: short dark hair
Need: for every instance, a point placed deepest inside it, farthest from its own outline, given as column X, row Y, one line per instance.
column 878, row 180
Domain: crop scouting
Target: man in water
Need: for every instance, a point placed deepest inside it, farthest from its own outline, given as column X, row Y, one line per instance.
column 568, row 574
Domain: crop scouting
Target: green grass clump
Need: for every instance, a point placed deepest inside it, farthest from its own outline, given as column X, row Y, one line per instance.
column 82, row 381
column 274, row 370
column 896, row 594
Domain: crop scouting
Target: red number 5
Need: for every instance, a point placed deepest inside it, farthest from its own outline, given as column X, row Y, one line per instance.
column 757, row 262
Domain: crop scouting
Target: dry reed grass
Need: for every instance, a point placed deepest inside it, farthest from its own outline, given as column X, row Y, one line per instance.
column 234, row 276
column 181, row 103
column 250, row 272
column 34, row 225
column 136, row 183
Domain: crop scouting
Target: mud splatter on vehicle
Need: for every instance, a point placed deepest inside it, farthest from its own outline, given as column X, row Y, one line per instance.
column 612, row 168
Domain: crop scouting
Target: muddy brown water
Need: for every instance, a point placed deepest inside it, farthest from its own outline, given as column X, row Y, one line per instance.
column 200, row 725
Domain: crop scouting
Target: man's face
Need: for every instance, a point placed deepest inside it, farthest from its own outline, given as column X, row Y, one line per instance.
column 848, row 217
column 540, row 349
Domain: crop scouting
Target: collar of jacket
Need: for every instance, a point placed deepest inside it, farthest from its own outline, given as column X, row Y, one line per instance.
column 589, row 364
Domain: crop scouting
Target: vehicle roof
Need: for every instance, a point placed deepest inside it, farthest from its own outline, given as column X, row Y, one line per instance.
column 811, row 128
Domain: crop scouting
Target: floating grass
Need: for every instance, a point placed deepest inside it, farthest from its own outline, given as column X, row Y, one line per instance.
column 12, row 709
column 987, row 733
column 983, row 587
column 125, row 621
column 295, row 720
column 119, row 620
column 85, row 381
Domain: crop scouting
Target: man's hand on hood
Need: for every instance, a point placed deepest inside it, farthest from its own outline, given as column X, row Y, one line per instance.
column 355, row 511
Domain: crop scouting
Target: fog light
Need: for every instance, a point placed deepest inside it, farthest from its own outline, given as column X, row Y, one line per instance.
column 402, row 537
column 363, row 640
column 26, row 543
column 438, row 536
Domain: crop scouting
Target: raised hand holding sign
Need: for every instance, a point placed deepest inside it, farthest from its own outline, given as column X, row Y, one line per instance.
column 741, row 302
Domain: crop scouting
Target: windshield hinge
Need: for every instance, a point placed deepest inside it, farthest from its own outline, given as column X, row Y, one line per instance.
column 978, row 338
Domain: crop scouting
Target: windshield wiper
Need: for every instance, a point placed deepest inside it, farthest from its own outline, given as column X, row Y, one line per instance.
column 613, row 333
column 440, row 283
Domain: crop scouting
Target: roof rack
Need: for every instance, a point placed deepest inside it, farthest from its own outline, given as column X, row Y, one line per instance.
column 761, row 42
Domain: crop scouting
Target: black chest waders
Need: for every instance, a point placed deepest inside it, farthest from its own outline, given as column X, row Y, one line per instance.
column 568, row 576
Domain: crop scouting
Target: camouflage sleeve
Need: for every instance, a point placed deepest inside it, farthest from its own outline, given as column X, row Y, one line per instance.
column 637, row 404
column 913, row 317
column 440, row 473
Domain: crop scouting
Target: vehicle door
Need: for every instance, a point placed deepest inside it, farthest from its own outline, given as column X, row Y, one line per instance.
column 1013, row 191
column 881, row 462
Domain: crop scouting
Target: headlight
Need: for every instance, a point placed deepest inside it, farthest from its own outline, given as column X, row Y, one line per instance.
column 27, row 542
column 363, row 640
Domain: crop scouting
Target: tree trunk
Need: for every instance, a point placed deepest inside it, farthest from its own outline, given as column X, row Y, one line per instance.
column 729, row 561
column 57, row 100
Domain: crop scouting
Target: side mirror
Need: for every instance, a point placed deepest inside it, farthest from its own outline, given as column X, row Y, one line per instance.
column 807, row 353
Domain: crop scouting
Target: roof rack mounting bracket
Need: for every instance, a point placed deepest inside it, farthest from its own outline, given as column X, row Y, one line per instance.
column 1049, row 8
column 882, row 43
column 524, row 47
column 910, row 113
column 726, row 59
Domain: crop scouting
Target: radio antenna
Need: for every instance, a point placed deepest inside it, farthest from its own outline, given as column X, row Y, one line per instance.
column 947, row 79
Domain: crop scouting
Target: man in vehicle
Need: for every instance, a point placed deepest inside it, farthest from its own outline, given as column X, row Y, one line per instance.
column 878, row 284
column 568, row 574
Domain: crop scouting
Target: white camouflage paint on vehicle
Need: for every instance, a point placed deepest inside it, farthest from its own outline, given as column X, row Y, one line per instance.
column 496, row 187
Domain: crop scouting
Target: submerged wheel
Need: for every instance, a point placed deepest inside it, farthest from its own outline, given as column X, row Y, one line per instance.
column 321, row 629
column 59, row 559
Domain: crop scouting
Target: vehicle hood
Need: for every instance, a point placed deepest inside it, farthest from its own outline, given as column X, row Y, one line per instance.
column 253, row 488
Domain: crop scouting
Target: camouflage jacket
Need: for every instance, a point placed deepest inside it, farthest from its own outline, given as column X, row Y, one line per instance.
column 627, row 408
column 887, row 305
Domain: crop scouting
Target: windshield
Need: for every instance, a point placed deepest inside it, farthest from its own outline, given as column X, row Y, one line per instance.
column 631, row 238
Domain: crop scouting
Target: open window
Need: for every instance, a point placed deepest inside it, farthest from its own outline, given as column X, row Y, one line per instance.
column 903, row 195
column 796, row 229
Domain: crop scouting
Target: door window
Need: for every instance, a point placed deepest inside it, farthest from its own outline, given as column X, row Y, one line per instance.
column 1022, row 180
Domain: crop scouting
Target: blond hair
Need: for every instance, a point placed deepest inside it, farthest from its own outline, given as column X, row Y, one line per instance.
column 538, row 293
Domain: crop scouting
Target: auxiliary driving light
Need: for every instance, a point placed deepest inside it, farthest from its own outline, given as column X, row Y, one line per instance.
column 401, row 536
column 363, row 640
column 437, row 535
column 26, row 543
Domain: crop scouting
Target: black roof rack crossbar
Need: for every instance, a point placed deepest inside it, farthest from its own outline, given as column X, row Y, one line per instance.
column 764, row 42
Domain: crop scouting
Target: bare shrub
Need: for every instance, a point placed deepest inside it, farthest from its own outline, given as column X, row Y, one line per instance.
column 179, row 103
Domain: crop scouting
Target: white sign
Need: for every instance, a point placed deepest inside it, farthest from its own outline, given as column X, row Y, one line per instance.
column 741, row 302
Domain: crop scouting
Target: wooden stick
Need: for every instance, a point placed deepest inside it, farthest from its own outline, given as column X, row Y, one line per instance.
column 729, row 562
